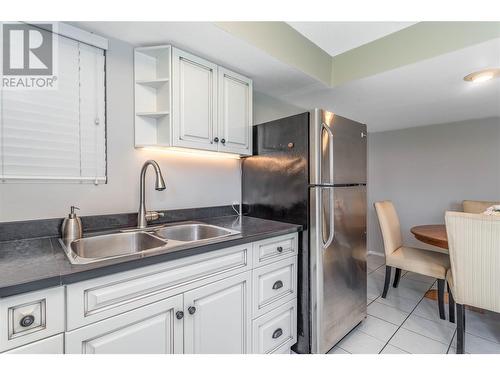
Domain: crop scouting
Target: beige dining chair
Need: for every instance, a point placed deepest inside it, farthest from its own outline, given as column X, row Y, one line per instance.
column 425, row 262
column 477, row 207
column 474, row 277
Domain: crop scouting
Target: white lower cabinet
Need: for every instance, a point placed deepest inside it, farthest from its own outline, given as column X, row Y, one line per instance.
column 51, row 345
column 152, row 329
column 218, row 317
column 276, row 331
column 30, row 317
column 241, row 299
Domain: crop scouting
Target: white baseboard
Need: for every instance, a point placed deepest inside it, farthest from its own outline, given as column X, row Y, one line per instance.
column 371, row 252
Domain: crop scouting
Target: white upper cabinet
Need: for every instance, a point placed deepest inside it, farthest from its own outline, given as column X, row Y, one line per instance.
column 183, row 100
column 235, row 112
column 194, row 101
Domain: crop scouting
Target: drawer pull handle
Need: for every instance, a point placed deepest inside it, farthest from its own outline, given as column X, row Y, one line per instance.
column 27, row 320
column 280, row 249
column 278, row 285
column 192, row 309
column 179, row 315
column 277, row 333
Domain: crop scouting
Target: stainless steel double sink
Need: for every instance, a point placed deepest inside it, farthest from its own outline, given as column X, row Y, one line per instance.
column 136, row 241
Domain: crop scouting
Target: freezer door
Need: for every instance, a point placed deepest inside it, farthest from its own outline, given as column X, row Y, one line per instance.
column 337, row 149
column 338, row 263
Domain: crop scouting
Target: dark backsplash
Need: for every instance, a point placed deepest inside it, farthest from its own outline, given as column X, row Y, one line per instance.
column 17, row 230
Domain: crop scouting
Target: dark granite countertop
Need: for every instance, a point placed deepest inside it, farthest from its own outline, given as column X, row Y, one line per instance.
column 31, row 264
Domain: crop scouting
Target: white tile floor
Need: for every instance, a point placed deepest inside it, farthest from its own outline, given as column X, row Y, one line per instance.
column 406, row 322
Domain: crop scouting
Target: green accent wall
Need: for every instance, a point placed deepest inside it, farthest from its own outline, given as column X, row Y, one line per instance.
column 284, row 43
column 421, row 41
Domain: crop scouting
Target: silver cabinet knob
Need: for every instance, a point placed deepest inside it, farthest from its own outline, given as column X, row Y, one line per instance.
column 27, row 320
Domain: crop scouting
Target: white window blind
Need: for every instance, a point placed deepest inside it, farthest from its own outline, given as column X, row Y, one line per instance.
column 58, row 134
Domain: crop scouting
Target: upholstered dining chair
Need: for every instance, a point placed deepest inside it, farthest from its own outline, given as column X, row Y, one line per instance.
column 474, row 277
column 477, row 207
column 424, row 262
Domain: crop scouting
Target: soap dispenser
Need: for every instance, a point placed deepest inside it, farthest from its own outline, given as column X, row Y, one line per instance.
column 71, row 227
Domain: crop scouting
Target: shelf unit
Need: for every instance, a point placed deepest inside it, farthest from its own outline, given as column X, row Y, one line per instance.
column 152, row 74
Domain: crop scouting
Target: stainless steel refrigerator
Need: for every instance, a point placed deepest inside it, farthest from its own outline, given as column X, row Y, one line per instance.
column 310, row 169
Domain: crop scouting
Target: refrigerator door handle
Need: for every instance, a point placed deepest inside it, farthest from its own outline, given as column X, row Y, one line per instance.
column 330, row 153
column 332, row 219
column 331, row 235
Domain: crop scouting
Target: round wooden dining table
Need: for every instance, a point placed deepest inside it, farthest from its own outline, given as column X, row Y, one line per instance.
column 434, row 235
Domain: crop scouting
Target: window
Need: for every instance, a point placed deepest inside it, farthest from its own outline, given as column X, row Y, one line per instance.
column 58, row 134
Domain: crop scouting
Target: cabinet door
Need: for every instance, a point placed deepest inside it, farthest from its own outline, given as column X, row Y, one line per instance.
column 217, row 317
column 152, row 329
column 194, row 101
column 235, row 112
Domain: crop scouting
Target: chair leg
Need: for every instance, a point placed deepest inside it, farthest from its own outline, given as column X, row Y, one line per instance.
column 442, row 314
column 387, row 281
column 397, row 277
column 451, row 304
column 460, row 329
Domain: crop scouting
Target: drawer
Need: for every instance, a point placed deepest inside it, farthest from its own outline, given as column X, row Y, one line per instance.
column 276, row 329
column 30, row 317
column 96, row 299
column 274, row 284
column 52, row 345
column 273, row 249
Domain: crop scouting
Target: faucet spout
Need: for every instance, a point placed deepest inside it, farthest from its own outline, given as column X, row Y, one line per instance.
column 159, row 185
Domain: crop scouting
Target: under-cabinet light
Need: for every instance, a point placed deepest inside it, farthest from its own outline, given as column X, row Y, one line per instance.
column 192, row 152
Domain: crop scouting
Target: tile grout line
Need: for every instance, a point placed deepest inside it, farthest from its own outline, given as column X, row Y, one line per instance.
column 451, row 342
column 416, row 315
column 403, row 322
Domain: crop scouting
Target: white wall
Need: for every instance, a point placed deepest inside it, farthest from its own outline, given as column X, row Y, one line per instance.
column 428, row 170
column 192, row 181
column 267, row 108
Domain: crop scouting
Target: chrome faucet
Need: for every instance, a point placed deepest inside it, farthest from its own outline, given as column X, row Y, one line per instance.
column 144, row 216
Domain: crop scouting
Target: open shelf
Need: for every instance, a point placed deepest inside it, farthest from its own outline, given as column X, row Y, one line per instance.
column 153, row 114
column 154, row 83
column 152, row 91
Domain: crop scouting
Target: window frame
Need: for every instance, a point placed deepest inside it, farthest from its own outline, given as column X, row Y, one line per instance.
column 80, row 36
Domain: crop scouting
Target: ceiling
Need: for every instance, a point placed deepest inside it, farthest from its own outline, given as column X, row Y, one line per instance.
column 428, row 92
column 338, row 37
column 205, row 39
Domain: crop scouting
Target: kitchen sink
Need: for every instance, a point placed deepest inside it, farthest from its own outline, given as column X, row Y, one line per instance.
column 134, row 241
column 113, row 245
column 193, row 232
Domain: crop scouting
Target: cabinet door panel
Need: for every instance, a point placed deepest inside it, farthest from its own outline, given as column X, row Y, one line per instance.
column 194, row 101
column 152, row 329
column 221, row 323
column 235, row 112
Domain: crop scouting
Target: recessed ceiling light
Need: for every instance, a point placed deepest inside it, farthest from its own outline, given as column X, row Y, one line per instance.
column 483, row 75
